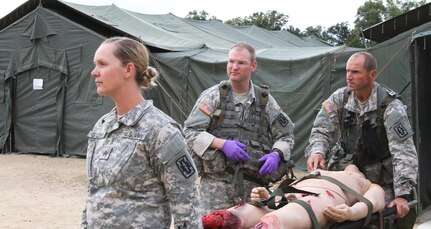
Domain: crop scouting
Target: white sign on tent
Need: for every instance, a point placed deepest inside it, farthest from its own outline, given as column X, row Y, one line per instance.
column 37, row 84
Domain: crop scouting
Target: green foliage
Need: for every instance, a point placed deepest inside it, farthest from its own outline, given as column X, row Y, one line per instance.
column 398, row 7
column 271, row 20
column 338, row 34
column 201, row 16
column 236, row 21
column 295, row 31
column 375, row 11
column 370, row 13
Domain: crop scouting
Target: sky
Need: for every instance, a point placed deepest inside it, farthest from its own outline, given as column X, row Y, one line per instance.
column 302, row 13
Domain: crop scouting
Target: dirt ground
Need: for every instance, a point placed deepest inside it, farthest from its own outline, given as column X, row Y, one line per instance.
column 39, row 191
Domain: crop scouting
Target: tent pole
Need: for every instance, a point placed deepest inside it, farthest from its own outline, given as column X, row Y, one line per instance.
column 11, row 137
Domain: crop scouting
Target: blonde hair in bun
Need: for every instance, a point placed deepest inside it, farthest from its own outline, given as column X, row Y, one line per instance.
column 132, row 51
column 150, row 76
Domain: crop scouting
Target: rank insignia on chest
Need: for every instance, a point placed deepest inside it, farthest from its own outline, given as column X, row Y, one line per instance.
column 207, row 109
column 328, row 106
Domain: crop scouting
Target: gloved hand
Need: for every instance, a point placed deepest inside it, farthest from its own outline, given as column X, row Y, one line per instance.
column 271, row 163
column 234, row 150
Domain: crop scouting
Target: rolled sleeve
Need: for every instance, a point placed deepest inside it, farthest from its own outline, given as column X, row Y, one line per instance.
column 197, row 123
column 202, row 143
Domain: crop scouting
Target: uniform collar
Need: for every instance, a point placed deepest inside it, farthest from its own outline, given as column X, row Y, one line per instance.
column 371, row 104
column 134, row 115
column 251, row 92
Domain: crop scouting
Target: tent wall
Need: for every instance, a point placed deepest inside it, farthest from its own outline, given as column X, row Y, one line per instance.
column 404, row 67
column 35, row 116
column 47, row 47
column 421, row 81
column 298, row 85
column 73, row 105
column 394, row 58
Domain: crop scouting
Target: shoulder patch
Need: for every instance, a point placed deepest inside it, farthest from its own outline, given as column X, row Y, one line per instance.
column 399, row 126
column 401, row 130
column 185, row 166
column 282, row 120
column 328, row 106
column 207, row 109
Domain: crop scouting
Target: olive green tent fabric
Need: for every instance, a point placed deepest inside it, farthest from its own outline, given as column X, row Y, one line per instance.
column 190, row 55
column 299, row 79
column 404, row 63
column 173, row 33
column 48, row 100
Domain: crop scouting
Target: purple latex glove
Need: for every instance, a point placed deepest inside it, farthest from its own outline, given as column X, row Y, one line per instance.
column 271, row 163
column 234, row 150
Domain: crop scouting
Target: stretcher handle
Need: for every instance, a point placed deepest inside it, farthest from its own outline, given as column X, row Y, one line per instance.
column 374, row 218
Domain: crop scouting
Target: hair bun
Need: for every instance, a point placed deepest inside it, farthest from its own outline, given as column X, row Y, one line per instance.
column 150, row 75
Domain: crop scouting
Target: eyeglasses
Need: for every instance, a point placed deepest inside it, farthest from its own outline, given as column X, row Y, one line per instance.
column 238, row 63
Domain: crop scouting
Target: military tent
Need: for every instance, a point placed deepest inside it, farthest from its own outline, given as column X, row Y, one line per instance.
column 48, row 98
column 48, row 101
column 404, row 55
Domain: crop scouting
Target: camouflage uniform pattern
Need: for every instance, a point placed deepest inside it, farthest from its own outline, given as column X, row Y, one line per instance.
column 140, row 173
column 216, row 187
column 403, row 165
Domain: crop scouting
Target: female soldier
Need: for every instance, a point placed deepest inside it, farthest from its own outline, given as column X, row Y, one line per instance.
column 139, row 170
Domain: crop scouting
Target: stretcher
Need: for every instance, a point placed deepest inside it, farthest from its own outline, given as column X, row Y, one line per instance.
column 384, row 219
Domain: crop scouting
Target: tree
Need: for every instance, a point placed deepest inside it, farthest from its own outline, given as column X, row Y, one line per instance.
column 236, row 21
column 310, row 30
column 375, row 11
column 370, row 13
column 399, row 7
column 338, row 34
column 295, row 31
column 271, row 20
column 200, row 16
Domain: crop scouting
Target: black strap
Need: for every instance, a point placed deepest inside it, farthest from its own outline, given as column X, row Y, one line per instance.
column 383, row 100
column 310, row 212
column 354, row 193
column 284, row 188
column 343, row 111
column 223, row 88
column 238, row 181
column 271, row 202
column 262, row 103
